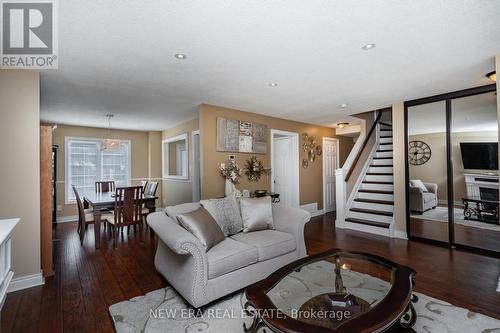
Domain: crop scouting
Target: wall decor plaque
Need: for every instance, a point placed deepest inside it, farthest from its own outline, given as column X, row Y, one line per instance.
column 241, row 136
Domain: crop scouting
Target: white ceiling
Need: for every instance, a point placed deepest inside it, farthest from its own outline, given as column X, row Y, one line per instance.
column 469, row 114
column 118, row 56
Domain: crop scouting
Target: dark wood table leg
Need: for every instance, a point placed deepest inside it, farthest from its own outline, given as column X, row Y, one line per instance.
column 97, row 227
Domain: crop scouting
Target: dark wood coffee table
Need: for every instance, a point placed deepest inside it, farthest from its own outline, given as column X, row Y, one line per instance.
column 334, row 291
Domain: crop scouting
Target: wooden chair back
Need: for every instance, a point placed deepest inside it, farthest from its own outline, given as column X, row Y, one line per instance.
column 151, row 188
column 81, row 210
column 105, row 186
column 128, row 205
column 144, row 184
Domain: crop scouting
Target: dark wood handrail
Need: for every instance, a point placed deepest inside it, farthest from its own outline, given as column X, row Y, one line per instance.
column 365, row 142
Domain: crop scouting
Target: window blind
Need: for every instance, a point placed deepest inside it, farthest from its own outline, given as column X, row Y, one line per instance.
column 86, row 164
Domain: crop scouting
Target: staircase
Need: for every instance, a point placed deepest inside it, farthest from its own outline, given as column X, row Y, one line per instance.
column 371, row 205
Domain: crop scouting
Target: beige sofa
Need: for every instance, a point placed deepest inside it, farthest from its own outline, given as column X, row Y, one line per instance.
column 237, row 262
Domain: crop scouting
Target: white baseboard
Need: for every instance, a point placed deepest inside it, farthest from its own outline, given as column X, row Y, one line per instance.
column 312, row 208
column 400, row 234
column 5, row 286
column 64, row 219
column 26, row 281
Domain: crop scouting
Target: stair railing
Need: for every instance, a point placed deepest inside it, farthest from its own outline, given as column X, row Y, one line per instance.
column 343, row 174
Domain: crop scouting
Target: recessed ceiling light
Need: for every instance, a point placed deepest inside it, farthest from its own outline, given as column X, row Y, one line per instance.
column 343, row 105
column 180, row 56
column 368, row 47
column 342, row 125
column 273, row 84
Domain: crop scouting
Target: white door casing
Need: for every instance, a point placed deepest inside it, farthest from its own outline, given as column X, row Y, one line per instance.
column 195, row 138
column 330, row 164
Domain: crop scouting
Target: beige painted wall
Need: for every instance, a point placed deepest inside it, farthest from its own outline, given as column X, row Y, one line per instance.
column 20, row 166
column 434, row 171
column 141, row 144
column 310, row 179
column 398, row 135
column 180, row 191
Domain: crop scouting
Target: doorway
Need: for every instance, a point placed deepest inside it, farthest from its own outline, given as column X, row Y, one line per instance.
column 285, row 166
column 195, row 139
column 330, row 164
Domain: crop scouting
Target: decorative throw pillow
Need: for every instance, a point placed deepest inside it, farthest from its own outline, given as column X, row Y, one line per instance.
column 418, row 183
column 173, row 211
column 226, row 212
column 203, row 226
column 257, row 213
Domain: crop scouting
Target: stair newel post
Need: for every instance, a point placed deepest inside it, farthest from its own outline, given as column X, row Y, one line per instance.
column 341, row 197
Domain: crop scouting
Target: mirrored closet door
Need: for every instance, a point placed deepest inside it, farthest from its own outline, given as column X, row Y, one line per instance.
column 452, row 169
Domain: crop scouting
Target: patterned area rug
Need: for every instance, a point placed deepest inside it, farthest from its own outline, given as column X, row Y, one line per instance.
column 440, row 214
column 163, row 310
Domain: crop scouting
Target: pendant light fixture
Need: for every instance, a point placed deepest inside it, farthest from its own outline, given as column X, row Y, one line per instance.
column 110, row 144
column 492, row 76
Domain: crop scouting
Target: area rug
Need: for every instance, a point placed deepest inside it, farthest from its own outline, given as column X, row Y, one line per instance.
column 163, row 310
column 440, row 214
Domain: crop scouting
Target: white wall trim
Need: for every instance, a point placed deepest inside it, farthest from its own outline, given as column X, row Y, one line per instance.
column 26, row 281
column 313, row 209
column 399, row 234
column 65, row 219
column 295, row 158
column 336, row 167
column 164, row 156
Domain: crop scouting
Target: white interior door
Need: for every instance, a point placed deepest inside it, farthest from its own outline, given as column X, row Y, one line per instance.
column 330, row 163
column 282, row 175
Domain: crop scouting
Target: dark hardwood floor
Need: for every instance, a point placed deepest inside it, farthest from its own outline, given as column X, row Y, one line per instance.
column 464, row 235
column 87, row 281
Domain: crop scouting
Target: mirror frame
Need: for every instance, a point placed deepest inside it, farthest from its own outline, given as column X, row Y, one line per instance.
column 164, row 156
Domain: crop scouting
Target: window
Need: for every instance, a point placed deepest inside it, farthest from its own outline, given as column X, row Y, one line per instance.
column 86, row 164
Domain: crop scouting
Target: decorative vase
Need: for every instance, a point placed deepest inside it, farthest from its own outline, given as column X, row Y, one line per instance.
column 229, row 188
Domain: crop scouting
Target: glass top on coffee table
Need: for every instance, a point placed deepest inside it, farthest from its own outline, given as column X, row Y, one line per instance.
column 335, row 291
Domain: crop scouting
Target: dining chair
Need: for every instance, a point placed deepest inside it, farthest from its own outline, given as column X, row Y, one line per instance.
column 150, row 191
column 105, row 186
column 144, row 183
column 127, row 212
column 85, row 216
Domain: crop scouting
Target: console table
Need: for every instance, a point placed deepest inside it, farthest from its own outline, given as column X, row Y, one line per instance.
column 6, row 228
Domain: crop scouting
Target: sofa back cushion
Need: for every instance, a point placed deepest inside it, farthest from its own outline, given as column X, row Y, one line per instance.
column 257, row 213
column 418, row 183
column 203, row 226
column 173, row 211
column 226, row 212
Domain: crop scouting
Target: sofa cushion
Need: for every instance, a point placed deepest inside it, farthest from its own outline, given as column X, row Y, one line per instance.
column 418, row 183
column 269, row 243
column 173, row 211
column 226, row 212
column 428, row 197
column 203, row 226
column 257, row 213
column 230, row 255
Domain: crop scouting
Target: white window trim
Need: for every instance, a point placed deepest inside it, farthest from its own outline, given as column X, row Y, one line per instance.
column 164, row 157
column 67, row 170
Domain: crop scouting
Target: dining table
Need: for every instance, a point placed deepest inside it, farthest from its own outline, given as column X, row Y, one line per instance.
column 105, row 201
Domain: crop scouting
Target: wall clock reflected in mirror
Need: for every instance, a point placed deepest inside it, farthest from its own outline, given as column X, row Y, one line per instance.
column 419, row 152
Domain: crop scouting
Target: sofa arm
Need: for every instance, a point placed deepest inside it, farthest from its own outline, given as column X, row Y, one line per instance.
column 178, row 239
column 292, row 220
column 431, row 187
